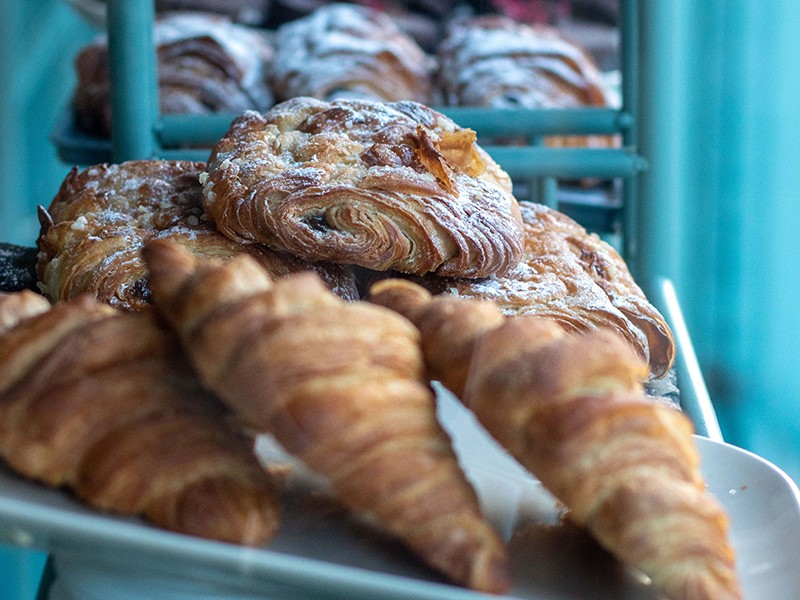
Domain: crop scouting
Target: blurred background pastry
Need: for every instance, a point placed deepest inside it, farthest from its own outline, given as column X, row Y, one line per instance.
column 349, row 51
column 206, row 64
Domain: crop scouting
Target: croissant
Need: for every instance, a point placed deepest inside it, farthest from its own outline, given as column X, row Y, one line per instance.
column 94, row 229
column 349, row 51
column 379, row 185
column 340, row 386
column 16, row 307
column 99, row 401
column 575, row 278
column 572, row 410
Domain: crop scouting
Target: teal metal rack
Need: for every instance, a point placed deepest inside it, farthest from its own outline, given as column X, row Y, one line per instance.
column 142, row 132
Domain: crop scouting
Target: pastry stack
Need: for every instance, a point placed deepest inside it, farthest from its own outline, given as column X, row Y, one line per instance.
column 309, row 282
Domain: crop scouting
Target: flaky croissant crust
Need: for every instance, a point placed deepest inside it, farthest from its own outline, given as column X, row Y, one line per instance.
column 379, row 185
column 571, row 408
column 101, row 402
column 341, row 386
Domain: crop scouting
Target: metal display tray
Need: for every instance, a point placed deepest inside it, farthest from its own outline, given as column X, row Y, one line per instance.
column 319, row 556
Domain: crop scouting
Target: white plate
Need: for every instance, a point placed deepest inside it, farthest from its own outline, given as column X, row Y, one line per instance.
column 319, row 555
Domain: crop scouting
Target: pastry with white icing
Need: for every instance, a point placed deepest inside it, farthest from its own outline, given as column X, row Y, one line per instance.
column 206, row 64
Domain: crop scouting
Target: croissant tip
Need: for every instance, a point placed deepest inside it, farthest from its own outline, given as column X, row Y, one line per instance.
column 400, row 295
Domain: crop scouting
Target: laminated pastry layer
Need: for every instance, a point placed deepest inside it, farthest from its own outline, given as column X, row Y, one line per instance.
column 576, row 279
column 205, row 62
column 102, row 403
column 379, row 185
column 94, row 229
column 349, row 51
column 495, row 62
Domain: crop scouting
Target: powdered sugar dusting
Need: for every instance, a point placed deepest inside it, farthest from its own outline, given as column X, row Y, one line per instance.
column 494, row 61
column 365, row 183
column 336, row 52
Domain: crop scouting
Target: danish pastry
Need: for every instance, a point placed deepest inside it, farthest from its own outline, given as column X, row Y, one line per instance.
column 494, row 61
column 349, row 51
column 93, row 232
column 576, row 279
column 205, row 62
column 379, row 185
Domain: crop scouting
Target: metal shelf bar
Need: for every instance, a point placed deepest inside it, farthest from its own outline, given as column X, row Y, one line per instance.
column 523, row 162
column 540, row 161
column 695, row 399
column 629, row 67
column 133, row 78
column 176, row 130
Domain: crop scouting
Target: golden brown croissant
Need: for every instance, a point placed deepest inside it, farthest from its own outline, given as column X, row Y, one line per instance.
column 380, row 185
column 572, row 410
column 349, row 51
column 494, row 61
column 100, row 401
column 97, row 223
column 575, row 278
column 340, row 386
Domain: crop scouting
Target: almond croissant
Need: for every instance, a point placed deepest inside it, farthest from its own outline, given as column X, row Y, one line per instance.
column 94, row 229
column 571, row 409
column 341, row 386
column 99, row 401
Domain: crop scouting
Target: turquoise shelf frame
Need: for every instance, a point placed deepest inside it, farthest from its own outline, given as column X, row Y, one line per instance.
column 142, row 132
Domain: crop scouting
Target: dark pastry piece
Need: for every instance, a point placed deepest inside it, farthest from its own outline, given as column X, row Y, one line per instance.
column 17, row 268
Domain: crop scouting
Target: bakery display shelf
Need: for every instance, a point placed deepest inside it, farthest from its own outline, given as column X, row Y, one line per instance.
column 190, row 137
column 141, row 132
column 144, row 133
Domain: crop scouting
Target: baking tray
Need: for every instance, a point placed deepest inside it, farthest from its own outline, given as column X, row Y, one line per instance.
column 320, row 555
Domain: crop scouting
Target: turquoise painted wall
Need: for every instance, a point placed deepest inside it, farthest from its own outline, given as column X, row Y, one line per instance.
column 38, row 40
column 721, row 129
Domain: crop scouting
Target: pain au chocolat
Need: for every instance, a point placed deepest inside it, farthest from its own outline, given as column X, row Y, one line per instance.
column 381, row 185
